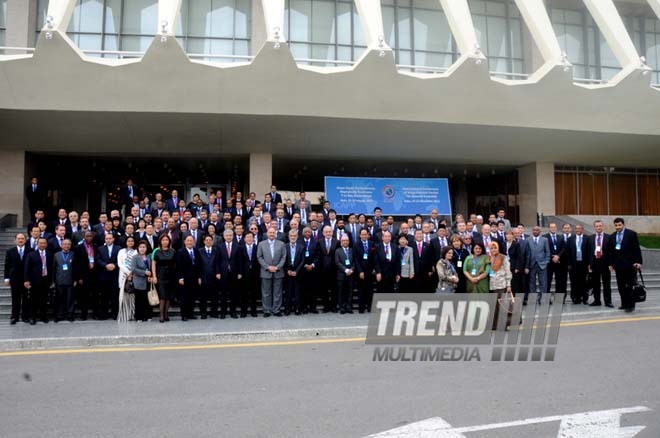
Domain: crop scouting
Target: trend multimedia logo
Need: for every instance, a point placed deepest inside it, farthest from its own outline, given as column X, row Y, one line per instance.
column 466, row 326
column 388, row 191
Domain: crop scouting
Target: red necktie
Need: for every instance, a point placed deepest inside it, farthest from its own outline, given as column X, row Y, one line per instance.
column 599, row 253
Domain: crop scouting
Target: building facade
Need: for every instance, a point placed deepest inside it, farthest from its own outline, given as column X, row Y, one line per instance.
column 543, row 107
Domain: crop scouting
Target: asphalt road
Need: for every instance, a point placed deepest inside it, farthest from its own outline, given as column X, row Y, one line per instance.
column 326, row 389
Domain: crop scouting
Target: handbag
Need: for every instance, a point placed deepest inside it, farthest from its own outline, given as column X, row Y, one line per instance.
column 129, row 288
column 506, row 303
column 639, row 289
column 152, row 295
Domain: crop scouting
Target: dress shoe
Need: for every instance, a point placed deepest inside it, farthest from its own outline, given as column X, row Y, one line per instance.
column 342, row 312
column 183, row 318
column 254, row 314
column 326, row 310
column 630, row 309
column 298, row 312
column 287, row 313
column 234, row 316
column 243, row 315
column 610, row 305
column 161, row 320
column 203, row 317
column 222, row 316
column 44, row 320
column 595, row 303
column 361, row 311
column 33, row 322
column 167, row 319
column 83, row 318
column 621, row 308
column 13, row 321
column 279, row 314
column 314, row 311
column 524, row 302
column 349, row 311
column 192, row 317
column 266, row 314
column 56, row 320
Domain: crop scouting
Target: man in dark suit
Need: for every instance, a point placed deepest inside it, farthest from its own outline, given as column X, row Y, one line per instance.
column 230, row 272
column 210, row 273
column 39, row 216
column 327, row 246
column 36, row 195
column 625, row 258
column 38, row 275
column 15, row 279
column 108, row 276
column 127, row 193
column 310, row 271
column 275, row 197
column 85, row 273
column 438, row 243
column 423, row 265
column 62, row 219
column 364, row 265
column 558, row 266
column 387, row 264
column 55, row 243
column 268, row 206
column 516, row 256
column 289, row 209
column 196, row 233
column 250, row 282
column 579, row 259
column 241, row 212
column 600, row 266
column 189, row 273
column 295, row 257
column 345, row 262
column 485, row 238
column 172, row 204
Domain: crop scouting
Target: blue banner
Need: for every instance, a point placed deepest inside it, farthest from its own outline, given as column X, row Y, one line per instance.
column 395, row 196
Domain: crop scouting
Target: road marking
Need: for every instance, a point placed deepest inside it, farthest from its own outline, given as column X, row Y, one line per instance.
column 592, row 424
column 265, row 343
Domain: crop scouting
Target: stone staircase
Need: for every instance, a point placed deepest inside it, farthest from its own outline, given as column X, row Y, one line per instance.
column 652, row 278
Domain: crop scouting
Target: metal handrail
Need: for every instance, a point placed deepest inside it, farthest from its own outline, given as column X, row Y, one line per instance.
column 17, row 49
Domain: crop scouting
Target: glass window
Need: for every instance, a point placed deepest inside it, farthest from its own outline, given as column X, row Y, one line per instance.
column 323, row 30
column 647, row 41
column 419, row 34
column 584, row 45
column 3, row 21
column 499, row 31
column 209, row 27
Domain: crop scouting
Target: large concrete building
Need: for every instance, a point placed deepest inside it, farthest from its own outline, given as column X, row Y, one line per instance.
column 540, row 106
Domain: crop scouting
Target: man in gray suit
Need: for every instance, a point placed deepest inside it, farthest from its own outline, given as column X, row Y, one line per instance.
column 538, row 257
column 271, row 254
column 63, row 279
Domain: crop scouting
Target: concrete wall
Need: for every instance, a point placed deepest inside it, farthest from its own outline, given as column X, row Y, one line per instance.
column 12, row 183
column 261, row 173
column 21, row 23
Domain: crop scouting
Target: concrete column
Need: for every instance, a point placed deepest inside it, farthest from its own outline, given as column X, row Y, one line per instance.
column 21, row 24
column 461, row 199
column 536, row 191
column 261, row 173
column 258, row 37
column 12, row 175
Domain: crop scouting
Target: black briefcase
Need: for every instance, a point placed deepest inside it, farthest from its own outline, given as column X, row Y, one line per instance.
column 639, row 289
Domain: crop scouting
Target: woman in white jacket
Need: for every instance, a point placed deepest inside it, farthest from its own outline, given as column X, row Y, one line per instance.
column 124, row 261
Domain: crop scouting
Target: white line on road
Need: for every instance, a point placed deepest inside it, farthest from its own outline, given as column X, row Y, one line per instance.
column 593, row 424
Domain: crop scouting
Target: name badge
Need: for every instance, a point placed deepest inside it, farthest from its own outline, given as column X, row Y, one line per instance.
column 618, row 247
column 389, row 257
column 306, row 253
column 598, row 249
column 91, row 259
column 491, row 274
column 403, row 263
column 555, row 247
column 347, row 262
column 65, row 267
column 459, row 264
column 474, row 272
column 365, row 256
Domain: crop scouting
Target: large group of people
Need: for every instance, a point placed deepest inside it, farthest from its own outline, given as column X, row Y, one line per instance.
column 225, row 256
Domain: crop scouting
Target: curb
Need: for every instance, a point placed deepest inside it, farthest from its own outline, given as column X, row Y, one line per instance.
column 187, row 338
